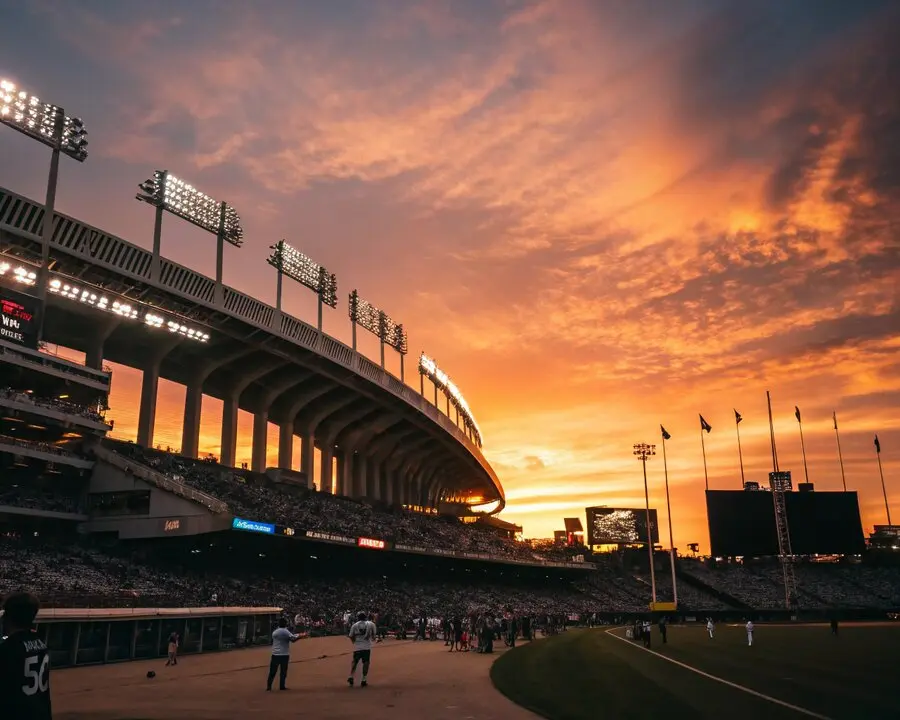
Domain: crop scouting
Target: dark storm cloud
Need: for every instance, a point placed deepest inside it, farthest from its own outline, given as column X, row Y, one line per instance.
column 731, row 61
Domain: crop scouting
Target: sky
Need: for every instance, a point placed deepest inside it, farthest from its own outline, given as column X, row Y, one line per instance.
column 598, row 217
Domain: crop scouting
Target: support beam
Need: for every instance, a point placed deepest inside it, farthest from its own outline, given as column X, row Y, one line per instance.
column 193, row 399
column 149, row 387
column 260, row 441
column 229, row 431
column 232, row 403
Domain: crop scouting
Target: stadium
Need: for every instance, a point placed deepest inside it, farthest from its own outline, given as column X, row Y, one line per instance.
column 387, row 510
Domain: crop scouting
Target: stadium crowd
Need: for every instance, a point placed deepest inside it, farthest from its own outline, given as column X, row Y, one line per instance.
column 57, row 404
column 252, row 496
column 120, row 573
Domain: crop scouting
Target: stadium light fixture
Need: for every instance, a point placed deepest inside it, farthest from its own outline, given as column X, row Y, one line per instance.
column 429, row 368
column 168, row 193
column 120, row 306
column 644, row 452
column 289, row 261
column 379, row 323
column 64, row 135
column 22, row 275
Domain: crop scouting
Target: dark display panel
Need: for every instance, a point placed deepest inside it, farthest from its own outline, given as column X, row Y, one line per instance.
column 742, row 523
column 609, row 526
column 18, row 317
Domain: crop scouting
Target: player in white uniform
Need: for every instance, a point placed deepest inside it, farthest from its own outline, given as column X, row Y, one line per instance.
column 710, row 628
column 750, row 632
column 362, row 634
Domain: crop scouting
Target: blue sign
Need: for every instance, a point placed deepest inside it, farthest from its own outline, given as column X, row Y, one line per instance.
column 253, row 526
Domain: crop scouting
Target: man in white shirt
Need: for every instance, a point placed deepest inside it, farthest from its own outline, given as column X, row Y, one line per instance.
column 749, row 632
column 362, row 634
column 710, row 628
column 281, row 654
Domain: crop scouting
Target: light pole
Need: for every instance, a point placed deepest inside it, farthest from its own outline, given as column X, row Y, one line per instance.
column 164, row 191
column 379, row 323
column 48, row 124
column 429, row 368
column 643, row 452
column 666, row 436
column 289, row 261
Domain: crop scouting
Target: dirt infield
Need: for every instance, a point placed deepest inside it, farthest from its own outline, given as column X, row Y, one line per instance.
column 408, row 680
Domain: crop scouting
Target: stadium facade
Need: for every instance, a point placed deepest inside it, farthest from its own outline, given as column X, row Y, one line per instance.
column 114, row 301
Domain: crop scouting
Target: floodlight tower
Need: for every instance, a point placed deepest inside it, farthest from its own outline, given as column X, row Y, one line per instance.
column 289, row 261
column 64, row 135
column 643, row 451
column 164, row 191
column 429, row 368
column 379, row 323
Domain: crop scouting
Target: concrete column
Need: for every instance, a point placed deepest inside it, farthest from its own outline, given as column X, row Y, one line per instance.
column 359, row 476
column 190, row 430
column 373, row 479
column 326, row 471
column 308, row 458
column 229, row 431
column 399, row 488
column 94, row 356
column 387, row 487
column 285, row 444
column 147, row 412
column 260, row 441
column 342, row 463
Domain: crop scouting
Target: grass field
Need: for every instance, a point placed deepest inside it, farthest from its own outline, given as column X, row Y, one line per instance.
column 592, row 675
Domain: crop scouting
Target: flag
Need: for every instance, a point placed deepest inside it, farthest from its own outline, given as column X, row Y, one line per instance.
column 834, row 415
column 797, row 413
column 665, row 435
column 737, row 418
column 877, row 445
column 704, row 425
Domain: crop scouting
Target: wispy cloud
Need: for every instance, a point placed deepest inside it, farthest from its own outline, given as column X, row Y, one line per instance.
column 598, row 216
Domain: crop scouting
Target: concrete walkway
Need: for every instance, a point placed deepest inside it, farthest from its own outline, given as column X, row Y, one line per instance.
column 419, row 681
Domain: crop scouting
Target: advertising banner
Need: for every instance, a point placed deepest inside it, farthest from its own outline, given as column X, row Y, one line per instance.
column 18, row 318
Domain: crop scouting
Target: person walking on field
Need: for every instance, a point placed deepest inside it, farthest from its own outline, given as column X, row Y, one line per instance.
column 281, row 654
column 362, row 634
column 750, row 627
column 710, row 628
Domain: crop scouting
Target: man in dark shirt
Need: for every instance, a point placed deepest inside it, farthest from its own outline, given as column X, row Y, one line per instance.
column 24, row 662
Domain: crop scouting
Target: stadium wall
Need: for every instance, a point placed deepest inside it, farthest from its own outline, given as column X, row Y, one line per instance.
column 77, row 636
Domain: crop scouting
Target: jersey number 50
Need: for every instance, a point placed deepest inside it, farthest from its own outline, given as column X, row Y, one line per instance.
column 38, row 678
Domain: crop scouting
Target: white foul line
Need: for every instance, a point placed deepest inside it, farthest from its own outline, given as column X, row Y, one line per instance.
column 795, row 708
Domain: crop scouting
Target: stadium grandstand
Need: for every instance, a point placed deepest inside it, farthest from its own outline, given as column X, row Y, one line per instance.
column 392, row 519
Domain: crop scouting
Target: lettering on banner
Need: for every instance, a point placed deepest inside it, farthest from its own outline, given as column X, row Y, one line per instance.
column 171, row 525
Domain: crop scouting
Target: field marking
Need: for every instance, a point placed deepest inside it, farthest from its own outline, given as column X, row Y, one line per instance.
column 795, row 708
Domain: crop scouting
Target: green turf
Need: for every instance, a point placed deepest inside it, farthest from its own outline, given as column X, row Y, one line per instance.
column 588, row 675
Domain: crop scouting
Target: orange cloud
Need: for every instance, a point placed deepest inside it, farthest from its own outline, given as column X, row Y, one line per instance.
column 597, row 218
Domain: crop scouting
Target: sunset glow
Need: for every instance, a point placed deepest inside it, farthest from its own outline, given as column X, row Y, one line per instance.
column 598, row 217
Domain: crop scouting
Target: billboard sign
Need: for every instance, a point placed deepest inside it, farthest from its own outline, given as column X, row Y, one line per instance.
column 620, row 526
column 253, row 526
column 18, row 318
column 370, row 543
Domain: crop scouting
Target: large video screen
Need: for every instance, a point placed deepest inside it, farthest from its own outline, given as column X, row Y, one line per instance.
column 608, row 526
column 18, row 318
column 742, row 523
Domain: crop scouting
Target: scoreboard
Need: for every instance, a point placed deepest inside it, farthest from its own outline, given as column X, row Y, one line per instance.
column 742, row 523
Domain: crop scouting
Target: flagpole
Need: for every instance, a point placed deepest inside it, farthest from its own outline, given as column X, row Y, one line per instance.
column 840, row 455
column 887, row 508
column 703, row 447
column 803, row 447
column 669, row 511
column 737, row 426
column 772, row 433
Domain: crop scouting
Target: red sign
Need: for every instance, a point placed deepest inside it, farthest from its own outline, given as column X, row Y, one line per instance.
column 370, row 543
